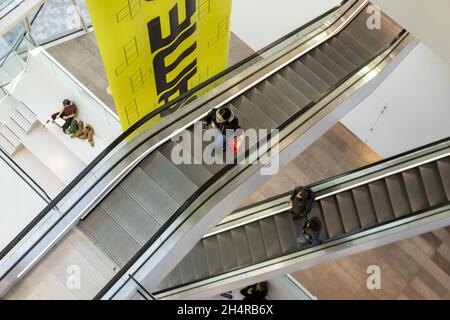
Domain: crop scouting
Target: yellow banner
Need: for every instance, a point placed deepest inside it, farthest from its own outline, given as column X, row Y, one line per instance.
column 155, row 50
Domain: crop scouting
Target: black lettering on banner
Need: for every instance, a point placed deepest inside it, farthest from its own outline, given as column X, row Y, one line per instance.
column 164, row 47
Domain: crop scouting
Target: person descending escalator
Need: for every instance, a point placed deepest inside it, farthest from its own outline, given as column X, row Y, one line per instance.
column 311, row 232
column 224, row 120
column 302, row 199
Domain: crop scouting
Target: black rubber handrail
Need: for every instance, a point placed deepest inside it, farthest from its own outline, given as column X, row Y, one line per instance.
column 323, row 181
column 133, row 129
column 344, row 174
column 329, row 240
column 227, row 168
column 21, row 173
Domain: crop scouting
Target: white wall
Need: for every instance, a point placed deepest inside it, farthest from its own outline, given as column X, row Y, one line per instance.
column 417, row 100
column 427, row 20
column 260, row 22
column 19, row 204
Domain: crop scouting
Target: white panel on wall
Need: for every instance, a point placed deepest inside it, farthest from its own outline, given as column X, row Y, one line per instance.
column 19, row 204
column 417, row 100
column 259, row 23
column 427, row 20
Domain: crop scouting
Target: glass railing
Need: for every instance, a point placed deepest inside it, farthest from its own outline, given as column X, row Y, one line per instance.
column 16, row 61
column 6, row 6
column 129, row 141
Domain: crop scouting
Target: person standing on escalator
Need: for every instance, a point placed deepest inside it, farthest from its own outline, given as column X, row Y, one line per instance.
column 310, row 233
column 224, row 120
column 302, row 199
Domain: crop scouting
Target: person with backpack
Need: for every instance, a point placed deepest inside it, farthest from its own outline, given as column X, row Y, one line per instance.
column 302, row 199
column 310, row 232
column 68, row 112
column 222, row 119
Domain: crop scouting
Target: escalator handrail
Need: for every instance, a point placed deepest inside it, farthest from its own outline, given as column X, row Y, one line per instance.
column 328, row 243
column 227, row 168
column 353, row 171
column 140, row 123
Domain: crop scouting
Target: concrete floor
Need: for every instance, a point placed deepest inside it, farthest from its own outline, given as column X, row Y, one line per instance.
column 417, row 268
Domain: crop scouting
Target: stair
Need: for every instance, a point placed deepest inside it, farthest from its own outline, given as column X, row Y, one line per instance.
column 15, row 125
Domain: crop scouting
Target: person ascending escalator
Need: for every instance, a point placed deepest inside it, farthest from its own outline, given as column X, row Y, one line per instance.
column 302, row 199
column 222, row 119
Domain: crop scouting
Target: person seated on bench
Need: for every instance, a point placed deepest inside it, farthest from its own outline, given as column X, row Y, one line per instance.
column 67, row 113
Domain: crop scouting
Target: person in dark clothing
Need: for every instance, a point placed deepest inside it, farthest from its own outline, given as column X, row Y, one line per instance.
column 67, row 113
column 311, row 231
column 256, row 292
column 222, row 119
column 302, row 199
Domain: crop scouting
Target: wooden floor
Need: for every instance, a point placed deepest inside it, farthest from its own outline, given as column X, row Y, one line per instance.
column 417, row 268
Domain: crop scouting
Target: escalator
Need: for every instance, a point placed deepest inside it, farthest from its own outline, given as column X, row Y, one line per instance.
column 138, row 206
column 257, row 241
column 133, row 211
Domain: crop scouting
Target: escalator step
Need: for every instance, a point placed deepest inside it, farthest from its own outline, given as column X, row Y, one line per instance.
column 187, row 269
column 329, row 63
column 381, row 201
column 286, row 231
column 157, row 166
column 337, row 57
column 277, row 97
column 289, row 91
column 241, row 246
column 364, row 205
column 268, row 107
column 354, row 45
column 444, row 171
column 199, row 259
column 299, row 83
column 116, row 241
column 347, row 208
column 348, row 53
column 398, row 195
column 415, row 189
column 194, row 172
column 433, row 185
column 256, row 242
column 130, row 215
column 364, row 36
column 213, row 258
column 315, row 66
column 244, row 122
column 332, row 216
column 249, row 110
column 174, row 277
column 150, row 195
column 312, row 78
column 270, row 237
column 227, row 250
